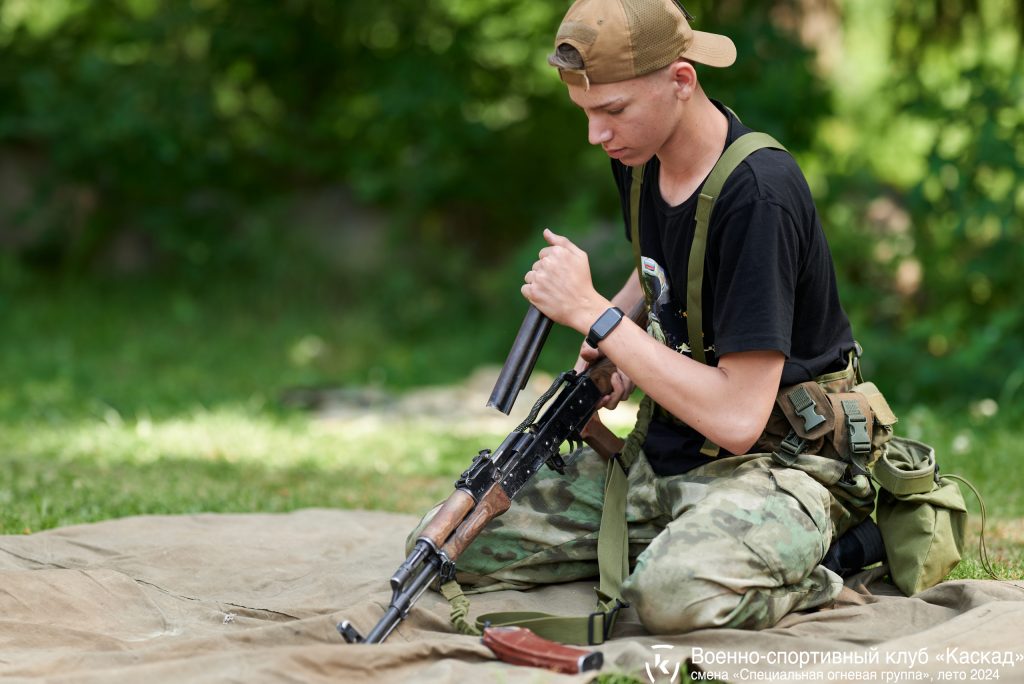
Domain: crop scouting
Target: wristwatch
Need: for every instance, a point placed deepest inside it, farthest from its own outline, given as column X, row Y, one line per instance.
column 604, row 325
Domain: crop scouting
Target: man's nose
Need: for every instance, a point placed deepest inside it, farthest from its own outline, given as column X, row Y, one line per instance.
column 598, row 133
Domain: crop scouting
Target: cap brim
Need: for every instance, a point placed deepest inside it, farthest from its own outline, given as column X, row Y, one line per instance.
column 711, row 49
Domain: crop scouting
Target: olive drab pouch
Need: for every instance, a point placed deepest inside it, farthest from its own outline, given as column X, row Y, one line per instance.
column 921, row 516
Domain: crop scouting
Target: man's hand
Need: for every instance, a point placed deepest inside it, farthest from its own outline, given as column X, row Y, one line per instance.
column 560, row 285
column 622, row 386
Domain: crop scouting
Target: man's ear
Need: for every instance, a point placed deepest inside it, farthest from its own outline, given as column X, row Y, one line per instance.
column 684, row 77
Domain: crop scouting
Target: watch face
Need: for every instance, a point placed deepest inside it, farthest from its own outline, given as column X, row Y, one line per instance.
column 605, row 324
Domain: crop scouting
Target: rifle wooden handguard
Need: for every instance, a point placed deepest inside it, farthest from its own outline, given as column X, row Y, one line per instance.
column 493, row 503
column 520, row 646
column 455, row 509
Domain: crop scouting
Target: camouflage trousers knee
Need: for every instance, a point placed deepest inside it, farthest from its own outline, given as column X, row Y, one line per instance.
column 734, row 543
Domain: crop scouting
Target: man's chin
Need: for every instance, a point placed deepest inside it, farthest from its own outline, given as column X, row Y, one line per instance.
column 629, row 157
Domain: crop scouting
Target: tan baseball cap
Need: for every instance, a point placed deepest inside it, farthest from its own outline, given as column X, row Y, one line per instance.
column 623, row 39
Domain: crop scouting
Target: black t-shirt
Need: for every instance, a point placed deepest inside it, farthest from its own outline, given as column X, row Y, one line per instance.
column 769, row 281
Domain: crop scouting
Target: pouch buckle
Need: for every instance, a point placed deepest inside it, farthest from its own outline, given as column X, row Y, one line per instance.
column 789, row 449
column 804, row 405
column 856, row 427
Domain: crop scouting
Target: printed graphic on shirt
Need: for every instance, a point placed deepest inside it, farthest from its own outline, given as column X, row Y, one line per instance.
column 667, row 321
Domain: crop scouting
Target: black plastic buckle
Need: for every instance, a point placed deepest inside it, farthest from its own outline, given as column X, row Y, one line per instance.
column 789, row 449
column 857, row 426
column 804, row 404
column 609, row 622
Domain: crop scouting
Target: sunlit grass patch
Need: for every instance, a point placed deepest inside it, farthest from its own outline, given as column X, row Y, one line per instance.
column 223, row 459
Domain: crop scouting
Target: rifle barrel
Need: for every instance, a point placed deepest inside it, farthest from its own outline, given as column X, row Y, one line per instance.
column 520, row 361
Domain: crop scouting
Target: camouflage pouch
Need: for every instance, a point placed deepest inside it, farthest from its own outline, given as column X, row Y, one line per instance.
column 921, row 516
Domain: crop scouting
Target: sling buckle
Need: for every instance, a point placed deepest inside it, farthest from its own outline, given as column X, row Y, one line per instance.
column 607, row 624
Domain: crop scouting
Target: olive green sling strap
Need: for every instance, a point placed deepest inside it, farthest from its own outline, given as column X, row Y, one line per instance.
column 612, row 560
column 613, row 537
column 726, row 164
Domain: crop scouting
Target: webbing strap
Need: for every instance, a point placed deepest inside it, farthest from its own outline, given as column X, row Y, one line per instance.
column 612, row 559
column 634, row 229
column 726, row 164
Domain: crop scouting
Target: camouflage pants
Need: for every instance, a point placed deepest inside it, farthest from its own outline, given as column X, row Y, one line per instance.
column 734, row 543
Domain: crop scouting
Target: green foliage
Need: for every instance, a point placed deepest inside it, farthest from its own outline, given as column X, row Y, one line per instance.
column 173, row 118
column 190, row 128
column 926, row 196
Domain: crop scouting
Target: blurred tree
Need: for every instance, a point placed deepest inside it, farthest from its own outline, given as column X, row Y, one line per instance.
column 927, row 192
column 180, row 125
column 170, row 118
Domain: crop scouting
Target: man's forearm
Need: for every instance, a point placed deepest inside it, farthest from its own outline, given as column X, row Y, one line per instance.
column 728, row 403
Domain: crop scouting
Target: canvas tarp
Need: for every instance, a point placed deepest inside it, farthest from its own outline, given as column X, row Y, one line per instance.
column 255, row 598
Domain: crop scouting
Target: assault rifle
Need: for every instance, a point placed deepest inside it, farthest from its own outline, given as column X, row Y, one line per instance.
column 486, row 489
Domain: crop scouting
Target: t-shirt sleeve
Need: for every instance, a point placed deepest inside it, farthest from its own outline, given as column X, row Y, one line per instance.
column 753, row 269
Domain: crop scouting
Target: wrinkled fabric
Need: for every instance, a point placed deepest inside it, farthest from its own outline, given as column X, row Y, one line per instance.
column 255, row 598
column 734, row 543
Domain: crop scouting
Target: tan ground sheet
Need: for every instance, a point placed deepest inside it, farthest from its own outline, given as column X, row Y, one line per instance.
column 255, row 598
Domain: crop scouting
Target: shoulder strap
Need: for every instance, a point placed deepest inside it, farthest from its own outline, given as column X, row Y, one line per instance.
column 733, row 156
column 634, row 228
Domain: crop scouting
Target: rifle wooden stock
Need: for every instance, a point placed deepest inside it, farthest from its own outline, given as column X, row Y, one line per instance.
column 493, row 503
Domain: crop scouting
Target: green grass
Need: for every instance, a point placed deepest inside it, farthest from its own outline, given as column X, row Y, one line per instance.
column 157, row 399
column 153, row 398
